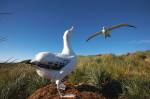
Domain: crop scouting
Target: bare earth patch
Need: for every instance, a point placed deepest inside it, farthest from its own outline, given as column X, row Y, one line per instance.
column 82, row 91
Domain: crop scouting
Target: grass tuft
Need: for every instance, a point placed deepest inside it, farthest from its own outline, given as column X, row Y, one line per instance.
column 132, row 71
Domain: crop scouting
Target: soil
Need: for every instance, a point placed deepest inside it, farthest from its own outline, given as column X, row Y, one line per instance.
column 82, row 91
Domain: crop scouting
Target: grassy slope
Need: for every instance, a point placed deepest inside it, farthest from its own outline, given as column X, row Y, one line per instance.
column 17, row 81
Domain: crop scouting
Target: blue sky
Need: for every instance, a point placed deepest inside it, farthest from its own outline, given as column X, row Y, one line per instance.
column 38, row 25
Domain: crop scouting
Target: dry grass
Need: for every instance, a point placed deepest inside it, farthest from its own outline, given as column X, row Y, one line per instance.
column 17, row 81
column 131, row 70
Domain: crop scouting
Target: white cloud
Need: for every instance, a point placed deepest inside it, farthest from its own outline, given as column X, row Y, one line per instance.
column 144, row 41
column 139, row 42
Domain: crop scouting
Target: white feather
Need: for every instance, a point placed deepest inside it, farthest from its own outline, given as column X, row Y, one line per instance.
column 67, row 54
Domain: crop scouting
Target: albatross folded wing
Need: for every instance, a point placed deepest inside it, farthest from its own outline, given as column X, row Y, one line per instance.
column 53, row 65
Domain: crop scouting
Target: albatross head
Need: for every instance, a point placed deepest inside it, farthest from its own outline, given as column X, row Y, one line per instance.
column 68, row 32
column 103, row 28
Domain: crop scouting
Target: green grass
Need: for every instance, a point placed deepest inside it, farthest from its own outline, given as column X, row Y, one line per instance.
column 19, row 80
column 131, row 70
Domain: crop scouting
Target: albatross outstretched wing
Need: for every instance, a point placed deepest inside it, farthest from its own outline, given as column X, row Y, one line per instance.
column 120, row 25
column 94, row 35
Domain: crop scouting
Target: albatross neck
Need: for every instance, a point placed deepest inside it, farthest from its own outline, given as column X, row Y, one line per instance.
column 67, row 50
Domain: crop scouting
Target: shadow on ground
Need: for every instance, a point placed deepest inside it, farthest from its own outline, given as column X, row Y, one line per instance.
column 82, row 91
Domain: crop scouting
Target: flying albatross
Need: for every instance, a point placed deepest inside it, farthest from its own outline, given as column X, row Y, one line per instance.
column 57, row 66
column 106, row 31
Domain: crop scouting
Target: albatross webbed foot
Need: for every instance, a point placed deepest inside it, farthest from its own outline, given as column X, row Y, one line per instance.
column 63, row 87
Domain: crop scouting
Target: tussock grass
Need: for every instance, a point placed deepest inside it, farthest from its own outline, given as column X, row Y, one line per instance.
column 131, row 70
column 19, row 80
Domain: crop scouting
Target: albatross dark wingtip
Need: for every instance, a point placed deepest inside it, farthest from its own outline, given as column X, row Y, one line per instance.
column 87, row 40
column 132, row 26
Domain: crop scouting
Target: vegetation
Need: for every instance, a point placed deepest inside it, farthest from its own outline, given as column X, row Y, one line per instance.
column 18, row 81
column 132, row 71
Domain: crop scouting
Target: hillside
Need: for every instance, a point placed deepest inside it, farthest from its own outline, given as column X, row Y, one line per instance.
column 131, row 71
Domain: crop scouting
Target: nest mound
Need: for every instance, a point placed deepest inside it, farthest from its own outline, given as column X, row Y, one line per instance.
column 82, row 91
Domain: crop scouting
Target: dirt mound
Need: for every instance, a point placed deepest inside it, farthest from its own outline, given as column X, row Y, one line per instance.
column 82, row 91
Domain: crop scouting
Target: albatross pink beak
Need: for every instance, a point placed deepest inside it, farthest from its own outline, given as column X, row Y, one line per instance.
column 71, row 29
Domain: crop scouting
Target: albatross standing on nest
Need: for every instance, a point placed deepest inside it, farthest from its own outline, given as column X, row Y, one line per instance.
column 57, row 66
column 106, row 31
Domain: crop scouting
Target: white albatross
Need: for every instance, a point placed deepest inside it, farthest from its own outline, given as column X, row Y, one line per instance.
column 106, row 31
column 57, row 66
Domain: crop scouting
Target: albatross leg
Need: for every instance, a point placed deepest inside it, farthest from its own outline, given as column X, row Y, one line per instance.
column 57, row 83
column 62, row 86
